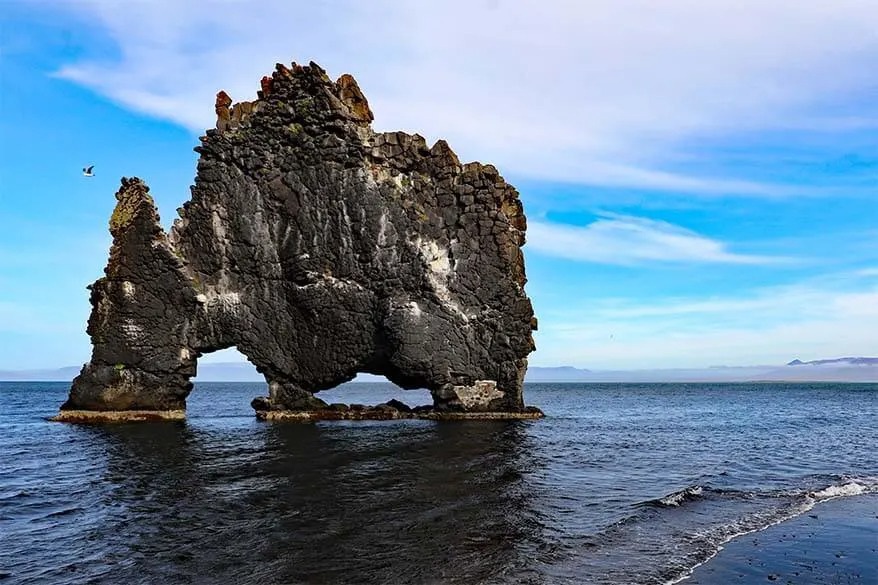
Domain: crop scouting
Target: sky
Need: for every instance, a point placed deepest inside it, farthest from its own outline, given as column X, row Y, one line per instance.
column 700, row 178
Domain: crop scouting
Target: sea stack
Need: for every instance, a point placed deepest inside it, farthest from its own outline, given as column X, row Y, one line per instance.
column 319, row 249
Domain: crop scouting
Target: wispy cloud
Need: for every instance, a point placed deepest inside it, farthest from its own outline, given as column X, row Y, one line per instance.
column 626, row 240
column 825, row 317
column 604, row 92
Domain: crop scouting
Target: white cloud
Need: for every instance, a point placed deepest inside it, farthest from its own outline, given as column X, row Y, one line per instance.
column 820, row 318
column 604, row 92
column 626, row 240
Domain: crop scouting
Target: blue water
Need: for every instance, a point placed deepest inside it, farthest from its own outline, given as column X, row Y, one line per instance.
column 620, row 483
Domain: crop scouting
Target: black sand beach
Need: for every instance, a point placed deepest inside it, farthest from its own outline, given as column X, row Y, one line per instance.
column 835, row 543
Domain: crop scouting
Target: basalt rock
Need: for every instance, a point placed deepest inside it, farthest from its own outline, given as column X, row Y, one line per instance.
column 320, row 249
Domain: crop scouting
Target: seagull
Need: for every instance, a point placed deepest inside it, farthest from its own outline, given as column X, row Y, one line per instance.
column 87, row 171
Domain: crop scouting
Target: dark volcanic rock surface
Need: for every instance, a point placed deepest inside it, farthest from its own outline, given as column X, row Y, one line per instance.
column 319, row 249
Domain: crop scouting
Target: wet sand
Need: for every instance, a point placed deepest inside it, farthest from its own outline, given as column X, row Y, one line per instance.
column 835, row 543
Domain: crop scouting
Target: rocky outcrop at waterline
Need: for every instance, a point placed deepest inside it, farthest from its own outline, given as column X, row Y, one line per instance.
column 319, row 249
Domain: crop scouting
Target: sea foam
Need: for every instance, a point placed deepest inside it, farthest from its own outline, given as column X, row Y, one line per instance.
column 852, row 487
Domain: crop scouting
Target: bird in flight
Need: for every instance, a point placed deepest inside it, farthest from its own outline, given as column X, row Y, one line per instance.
column 87, row 171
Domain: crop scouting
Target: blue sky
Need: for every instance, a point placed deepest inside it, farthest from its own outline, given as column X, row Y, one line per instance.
column 700, row 178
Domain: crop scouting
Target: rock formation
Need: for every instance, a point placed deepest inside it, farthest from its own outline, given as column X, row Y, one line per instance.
column 320, row 249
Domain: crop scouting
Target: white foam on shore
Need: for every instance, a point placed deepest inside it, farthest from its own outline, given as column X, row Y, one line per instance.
column 848, row 487
column 851, row 488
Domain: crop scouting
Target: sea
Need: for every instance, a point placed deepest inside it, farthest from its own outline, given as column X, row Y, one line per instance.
column 620, row 483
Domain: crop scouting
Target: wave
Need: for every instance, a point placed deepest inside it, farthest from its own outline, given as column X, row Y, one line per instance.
column 841, row 487
column 58, row 513
column 675, row 499
column 14, row 495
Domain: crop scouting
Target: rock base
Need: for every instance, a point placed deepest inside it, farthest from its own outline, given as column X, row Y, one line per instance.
column 354, row 412
column 117, row 416
column 377, row 413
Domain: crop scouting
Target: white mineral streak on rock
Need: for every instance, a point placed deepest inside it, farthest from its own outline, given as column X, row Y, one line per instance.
column 345, row 231
column 185, row 354
column 218, row 228
column 382, row 229
column 329, row 280
column 402, row 181
column 438, row 274
column 262, row 230
column 222, row 302
column 414, row 309
column 342, row 282
column 385, row 247
column 345, row 214
column 454, row 247
column 132, row 330
column 479, row 394
column 285, row 238
column 229, row 301
column 128, row 288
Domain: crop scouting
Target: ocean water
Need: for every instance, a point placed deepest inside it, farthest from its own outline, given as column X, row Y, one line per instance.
column 621, row 483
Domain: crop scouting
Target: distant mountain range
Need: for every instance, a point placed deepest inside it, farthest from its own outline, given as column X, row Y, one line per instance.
column 845, row 361
column 65, row 374
column 847, row 369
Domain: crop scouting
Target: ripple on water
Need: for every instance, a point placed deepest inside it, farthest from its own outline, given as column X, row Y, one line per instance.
column 620, row 484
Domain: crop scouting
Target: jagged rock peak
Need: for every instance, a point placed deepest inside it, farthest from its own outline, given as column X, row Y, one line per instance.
column 319, row 249
column 291, row 86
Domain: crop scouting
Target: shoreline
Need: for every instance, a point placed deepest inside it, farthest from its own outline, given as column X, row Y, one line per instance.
column 835, row 541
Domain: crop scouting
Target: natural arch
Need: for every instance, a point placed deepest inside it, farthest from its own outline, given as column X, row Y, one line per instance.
column 319, row 249
column 229, row 367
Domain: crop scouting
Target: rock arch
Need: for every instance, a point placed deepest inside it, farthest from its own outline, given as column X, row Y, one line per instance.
column 319, row 249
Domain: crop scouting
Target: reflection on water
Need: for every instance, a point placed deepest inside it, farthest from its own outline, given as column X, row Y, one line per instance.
column 401, row 501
